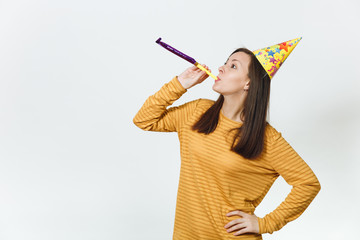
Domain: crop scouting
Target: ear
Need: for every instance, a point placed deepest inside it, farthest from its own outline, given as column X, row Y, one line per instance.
column 247, row 85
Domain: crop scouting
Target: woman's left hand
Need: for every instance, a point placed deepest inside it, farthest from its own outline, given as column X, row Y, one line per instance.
column 248, row 223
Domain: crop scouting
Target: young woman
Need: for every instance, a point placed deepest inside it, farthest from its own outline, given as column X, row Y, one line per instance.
column 230, row 154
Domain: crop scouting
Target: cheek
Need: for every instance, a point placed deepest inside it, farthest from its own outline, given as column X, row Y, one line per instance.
column 234, row 84
column 228, row 87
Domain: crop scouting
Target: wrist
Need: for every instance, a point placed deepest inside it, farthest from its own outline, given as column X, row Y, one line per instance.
column 182, row 83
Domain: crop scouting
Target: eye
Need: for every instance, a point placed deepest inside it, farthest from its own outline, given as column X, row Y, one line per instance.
column 233, row 65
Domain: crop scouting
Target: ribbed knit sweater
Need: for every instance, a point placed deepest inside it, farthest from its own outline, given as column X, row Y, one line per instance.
column 215, row 180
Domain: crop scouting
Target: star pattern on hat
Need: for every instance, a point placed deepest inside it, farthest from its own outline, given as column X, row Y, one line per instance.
column 271, row 58
column 284, row 46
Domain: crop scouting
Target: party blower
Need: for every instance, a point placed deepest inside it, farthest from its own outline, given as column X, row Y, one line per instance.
column 184, row 56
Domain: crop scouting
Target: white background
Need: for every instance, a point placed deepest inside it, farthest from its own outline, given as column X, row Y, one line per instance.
column 74, row 73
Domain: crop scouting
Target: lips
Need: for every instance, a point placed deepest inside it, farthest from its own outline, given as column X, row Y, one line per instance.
column 218, row 79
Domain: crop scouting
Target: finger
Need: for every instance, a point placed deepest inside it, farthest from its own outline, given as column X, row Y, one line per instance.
column 198, row 69
column 234, row 222
column 242, row 231
column 199, row 76
column 205, row 69
column 195, row 69
column 237, row 227
column 203, row 65
column 205, row 75
column 200, row 72
column 236, row 213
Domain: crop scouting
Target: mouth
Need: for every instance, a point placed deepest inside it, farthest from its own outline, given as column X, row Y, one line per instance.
column 218, row 79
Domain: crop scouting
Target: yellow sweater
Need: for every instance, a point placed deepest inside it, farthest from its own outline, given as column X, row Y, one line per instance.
column 215, row 181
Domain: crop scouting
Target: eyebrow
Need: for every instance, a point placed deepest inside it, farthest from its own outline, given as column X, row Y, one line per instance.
column 236, row 60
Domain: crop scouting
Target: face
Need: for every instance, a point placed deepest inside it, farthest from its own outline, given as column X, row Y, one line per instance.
column 233, row 75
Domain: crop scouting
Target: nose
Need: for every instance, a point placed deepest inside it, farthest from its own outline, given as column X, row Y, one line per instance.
column 221, row 69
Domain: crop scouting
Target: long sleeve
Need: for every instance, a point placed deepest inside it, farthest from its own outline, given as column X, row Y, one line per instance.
column 154, row 115
column 297, row 173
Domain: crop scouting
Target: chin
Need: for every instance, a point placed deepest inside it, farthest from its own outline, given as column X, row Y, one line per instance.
column 219, row 89
column 215, row 89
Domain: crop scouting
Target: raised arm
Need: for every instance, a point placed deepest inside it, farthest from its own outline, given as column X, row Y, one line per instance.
column 154, row 115
column 297, row 173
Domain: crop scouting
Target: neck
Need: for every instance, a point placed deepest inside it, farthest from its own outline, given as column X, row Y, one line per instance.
column 233, row 105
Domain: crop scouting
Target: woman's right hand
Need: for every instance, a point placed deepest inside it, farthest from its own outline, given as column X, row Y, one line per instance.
column 192, row 76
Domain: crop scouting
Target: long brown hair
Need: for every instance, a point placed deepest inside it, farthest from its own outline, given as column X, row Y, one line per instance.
column 250, row 136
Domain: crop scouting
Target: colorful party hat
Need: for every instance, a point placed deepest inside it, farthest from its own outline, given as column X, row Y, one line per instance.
column 271, row 58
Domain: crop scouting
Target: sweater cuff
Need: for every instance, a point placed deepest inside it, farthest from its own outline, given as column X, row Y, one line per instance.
column 177, row 85
column 262, row 227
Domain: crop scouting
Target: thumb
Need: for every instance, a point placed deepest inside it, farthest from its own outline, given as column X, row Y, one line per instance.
column 236, row 212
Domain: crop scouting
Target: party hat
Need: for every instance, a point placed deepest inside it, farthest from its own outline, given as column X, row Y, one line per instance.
column 271, row 58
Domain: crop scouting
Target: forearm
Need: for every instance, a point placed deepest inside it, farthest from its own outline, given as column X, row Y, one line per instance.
column 297, row 173
column 152, row 115
column 291, row 208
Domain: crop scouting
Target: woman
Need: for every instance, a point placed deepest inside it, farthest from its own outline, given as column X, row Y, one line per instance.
column 230, row 154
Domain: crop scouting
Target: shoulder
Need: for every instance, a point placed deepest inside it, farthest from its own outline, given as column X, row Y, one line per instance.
column 271, row 134
column 203, row 104
column 200, row 103
column 194, row 107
